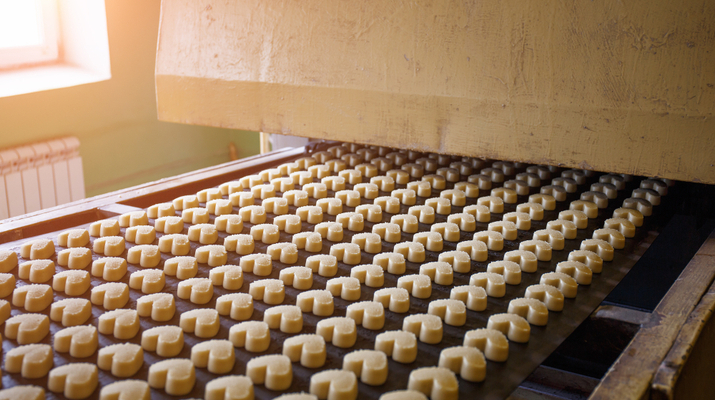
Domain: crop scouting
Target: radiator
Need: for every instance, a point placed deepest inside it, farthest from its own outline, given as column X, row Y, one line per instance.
column 40, row 175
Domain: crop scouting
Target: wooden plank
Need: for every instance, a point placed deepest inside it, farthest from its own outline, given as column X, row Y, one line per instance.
column 588, row 84
column 631, row 375
column 686, row 371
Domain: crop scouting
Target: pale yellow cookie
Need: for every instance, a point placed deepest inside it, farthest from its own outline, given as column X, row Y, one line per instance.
column 176, row 376
column 492, row 343
column 340, row 331
column 238, row 306
column 147, row 281
column 400, row 345
column 31, row 361
column 368, row 365
column 159, row 306
column 202, row 322
column 73, row 283
column 196, row 290
column 319, row 302
column 27, row 328
column 79, row 341
column 254, row 336
column 38, row 249
column 109, row 268
column 36, row 271
column 183, row 267
column 130, row 389
column 166, row 340
column 73, row 238
column 141, row 234
column 74, row 381
column 308, row 349
column 107, row 227
column 121, row 323
column 217, row 356
column 419, row 286
column 369, row 314
column 136, row 218
column 274, row 371
column 288, row 319
column 176, row 244
column 334, row 384
column 468, row 362
column 110, row 246
column 111, row 296
column 32, row 298
column 71, row 312
column 229, row 277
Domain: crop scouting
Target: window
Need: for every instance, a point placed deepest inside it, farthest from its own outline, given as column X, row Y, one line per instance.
column 28, row 32
column 52, row 44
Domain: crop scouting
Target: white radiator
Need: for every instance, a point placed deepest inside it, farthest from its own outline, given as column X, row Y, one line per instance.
column 40, row 175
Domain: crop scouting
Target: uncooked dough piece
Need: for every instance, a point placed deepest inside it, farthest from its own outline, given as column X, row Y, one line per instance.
column 8, row 260
column 393, row 263
column 73, row 238
column 39, row 249
column 122, row 323
column 80, row 341
column 74, row 381
column 111, row 296
column 71, row 312
column 203, row 233
column 275, row 371
column 308, row 349
column 233, row 387
column 257, row 264
column 548, row 294
column 136, row 218
column 319, row 302
column 334, row 384
column 566, row 284
column 74, row 258
column 202, row 322
column 159, row 306
column 217, row 356
column 176, row 376
column 214, row 255
column 106, row 227
column 577, row 270
column 369, row 314
column 36, row 271
column 183, row 267
column 532, row 309
column 474, row 297
column 176, row 244
column 7, row 284
column 403, row 395
column 270, row 291
column 32, row 298
column 591, row 259
column 515, row 327
column 24, row 392
column 491, row 342
column 348, row 253
column 166, row 340
column 288, row 319
column 32, row 361
column 345, row 287
column 324, row 264
column 419, row 286
column 400, row 345
column 239, row 306
column 452, row 312
column 369, row 274
column 368, row 365
column 254, row 336
column 300, row 278
column 27, row 328
column 340, row 331
column 196, row 290
column 109, row 268
column 468, row 362
column 428, row 328
column 230, row 277
column 436, row 382
column 110, row 246
column 493, row 283
column 146, row 255
column 130, row 389
column 148, row 280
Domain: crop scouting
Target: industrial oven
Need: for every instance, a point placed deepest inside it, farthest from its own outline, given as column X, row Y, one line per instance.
column 501, row 200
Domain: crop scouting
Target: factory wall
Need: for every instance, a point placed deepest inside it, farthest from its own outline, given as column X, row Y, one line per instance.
column 122, row 142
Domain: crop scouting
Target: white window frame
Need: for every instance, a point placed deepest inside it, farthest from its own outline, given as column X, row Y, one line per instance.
column 82, row 51
column 47, row 51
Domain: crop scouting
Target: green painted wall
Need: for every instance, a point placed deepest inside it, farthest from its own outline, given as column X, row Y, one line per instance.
column 122, row 142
